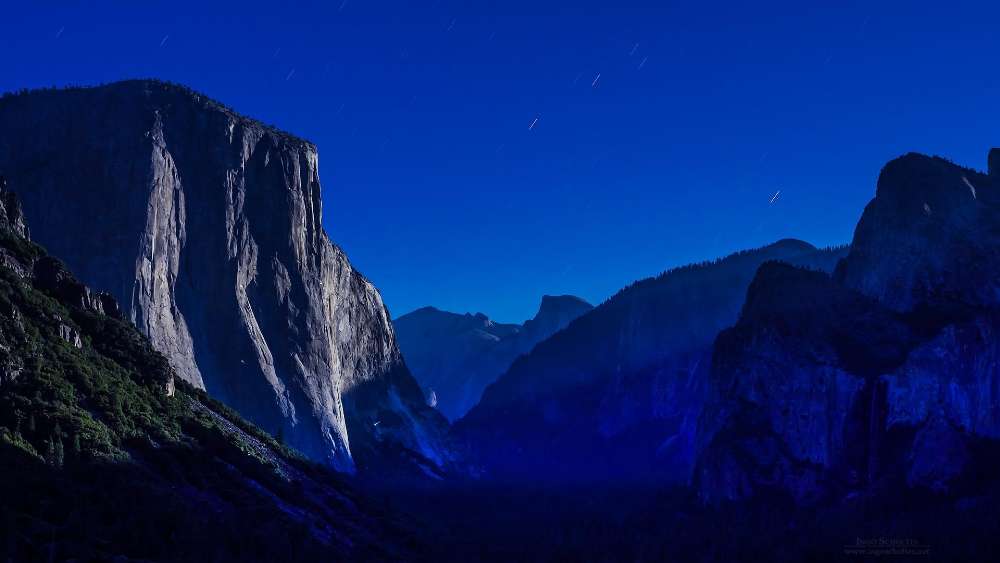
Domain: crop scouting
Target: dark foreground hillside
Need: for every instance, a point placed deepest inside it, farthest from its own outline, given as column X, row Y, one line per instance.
column 105, row 456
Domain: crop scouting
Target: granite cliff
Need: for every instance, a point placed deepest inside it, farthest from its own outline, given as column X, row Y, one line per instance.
column 106, row 456
column 206, row 226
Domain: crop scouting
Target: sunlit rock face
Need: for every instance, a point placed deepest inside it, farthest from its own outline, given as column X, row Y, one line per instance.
column 885, row 374
column 454, row 356
column 207, row 228
column 618, row 393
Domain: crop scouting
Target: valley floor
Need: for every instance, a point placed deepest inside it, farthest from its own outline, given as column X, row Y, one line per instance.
column 480, row 522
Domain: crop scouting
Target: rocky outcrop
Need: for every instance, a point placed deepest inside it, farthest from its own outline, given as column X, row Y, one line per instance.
column 454, row 357
column 795, row 387
column 52, row 276
column 207, row 226
column 11, row 214
column 885, row 375
column 928, row 238
column 618, row 393
column 32, row 266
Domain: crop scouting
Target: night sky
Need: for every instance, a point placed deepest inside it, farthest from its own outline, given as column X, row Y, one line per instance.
column 663, row 132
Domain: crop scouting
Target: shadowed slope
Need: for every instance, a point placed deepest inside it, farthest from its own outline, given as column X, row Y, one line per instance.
column 617, row 393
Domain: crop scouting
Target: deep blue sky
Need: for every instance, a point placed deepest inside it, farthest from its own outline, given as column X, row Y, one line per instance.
column 440, row 193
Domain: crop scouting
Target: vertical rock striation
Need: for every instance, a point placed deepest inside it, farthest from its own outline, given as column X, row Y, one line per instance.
column 206, row 225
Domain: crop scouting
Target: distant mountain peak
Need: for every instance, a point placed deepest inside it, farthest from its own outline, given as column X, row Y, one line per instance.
column 555, row 312
column 455, row 356
column 560, row 302
column 791, row 244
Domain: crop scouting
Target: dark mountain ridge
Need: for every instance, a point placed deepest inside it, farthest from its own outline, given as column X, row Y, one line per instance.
column 617, row 393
